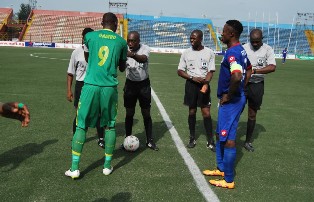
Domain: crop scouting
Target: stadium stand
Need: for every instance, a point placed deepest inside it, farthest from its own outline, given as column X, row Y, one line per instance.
column 310, row 37
column 156, row 31
column 5, row 15
column 171, row 32
column 60, row 26
column 297, row 39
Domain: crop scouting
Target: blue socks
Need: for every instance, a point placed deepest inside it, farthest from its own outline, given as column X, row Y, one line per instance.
column 219, row 155
column 228, row 162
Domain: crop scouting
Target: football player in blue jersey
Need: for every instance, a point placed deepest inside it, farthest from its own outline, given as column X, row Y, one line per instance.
column 284, row 55
column 234, row 73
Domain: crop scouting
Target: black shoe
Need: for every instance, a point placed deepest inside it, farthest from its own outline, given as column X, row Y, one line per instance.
column 248, row 146
column 122, row 147
column 152, row 146
column 101, row 143
column 211, row 146
column 191, row 144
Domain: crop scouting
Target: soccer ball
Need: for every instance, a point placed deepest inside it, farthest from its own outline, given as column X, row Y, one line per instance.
column 131, row 143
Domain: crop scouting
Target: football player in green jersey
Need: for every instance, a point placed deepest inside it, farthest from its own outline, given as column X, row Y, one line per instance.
column 104, row 51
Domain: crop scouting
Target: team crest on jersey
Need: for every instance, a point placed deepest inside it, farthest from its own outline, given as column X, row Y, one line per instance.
column 224, row 133
column 260, row 61
column 231, row 59
column 204, row 65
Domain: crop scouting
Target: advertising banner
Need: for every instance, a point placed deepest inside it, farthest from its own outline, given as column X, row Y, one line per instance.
column 12, row 43
column 304, row 57
column 40, row 44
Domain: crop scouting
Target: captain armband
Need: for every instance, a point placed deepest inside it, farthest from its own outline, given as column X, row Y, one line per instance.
column 235, row 67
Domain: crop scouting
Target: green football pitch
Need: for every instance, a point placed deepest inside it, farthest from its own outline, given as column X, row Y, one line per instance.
column 33, row 159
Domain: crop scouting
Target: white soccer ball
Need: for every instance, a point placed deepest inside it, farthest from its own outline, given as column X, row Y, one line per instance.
column 131, row 143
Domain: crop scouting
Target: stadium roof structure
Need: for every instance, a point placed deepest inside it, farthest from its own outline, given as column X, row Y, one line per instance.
column 6, row 10
column 72, row 13
column 271, row 25
column 169, row 19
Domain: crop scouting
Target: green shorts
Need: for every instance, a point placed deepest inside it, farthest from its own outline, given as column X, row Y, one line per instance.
column 97, row 101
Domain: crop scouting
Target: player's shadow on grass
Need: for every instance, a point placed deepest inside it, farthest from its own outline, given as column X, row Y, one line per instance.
column 159, row 129
column 17, row 155
column 119, row 131
column 100, row 162
column 241, row 134
column 200, row 131
column 123, row 196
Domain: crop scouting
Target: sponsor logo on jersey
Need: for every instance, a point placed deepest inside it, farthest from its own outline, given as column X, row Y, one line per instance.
column 231, row 59
column 107, row 36
column 224, row 133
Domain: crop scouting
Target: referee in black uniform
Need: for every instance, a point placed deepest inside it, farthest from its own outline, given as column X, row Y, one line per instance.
column 197, row 65
column 137, row 87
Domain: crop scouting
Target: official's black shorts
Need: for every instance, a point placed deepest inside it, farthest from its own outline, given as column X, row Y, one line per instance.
column 194, row 97
column 255, row 92
column 137, row 90
column 77, row 92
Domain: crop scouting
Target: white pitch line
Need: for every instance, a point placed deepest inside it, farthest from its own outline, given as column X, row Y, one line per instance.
column 50, row 58
column 157, row 63
column 199, row 179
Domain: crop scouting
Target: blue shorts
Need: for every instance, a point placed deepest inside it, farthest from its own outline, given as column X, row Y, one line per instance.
column 228, row 118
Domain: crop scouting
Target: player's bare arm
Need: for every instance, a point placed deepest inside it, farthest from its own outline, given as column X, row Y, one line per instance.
column 198, row 79
column 137, row 57
column 268, row 69
column 86, row 55
column 206, row 81
column 15, row 110
column 235, row 81
column 69, row 87
column 122, row 65
column 186, row 76
column 248, row 76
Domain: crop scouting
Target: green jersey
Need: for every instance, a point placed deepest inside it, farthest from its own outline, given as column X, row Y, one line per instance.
column 106, row 49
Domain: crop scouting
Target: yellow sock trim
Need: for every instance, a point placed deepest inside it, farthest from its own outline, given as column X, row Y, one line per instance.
column 76, row 153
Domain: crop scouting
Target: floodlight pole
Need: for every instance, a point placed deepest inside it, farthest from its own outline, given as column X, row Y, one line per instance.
column 119, row 4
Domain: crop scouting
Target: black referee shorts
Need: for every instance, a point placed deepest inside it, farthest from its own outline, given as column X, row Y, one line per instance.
column 77, row 92
column 255, row 92
column 137, row 90
column 194, row 97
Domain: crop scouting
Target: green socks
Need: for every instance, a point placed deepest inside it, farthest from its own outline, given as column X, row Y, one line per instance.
column 77, row 147
column 110, row 142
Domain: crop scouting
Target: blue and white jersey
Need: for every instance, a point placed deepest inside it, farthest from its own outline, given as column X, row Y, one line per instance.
column 284, row 53
column 235, row 56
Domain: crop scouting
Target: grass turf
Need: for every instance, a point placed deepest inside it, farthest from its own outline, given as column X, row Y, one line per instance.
column 33, row 159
